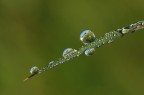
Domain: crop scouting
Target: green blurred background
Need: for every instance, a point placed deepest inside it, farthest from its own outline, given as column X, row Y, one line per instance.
column 34, row 32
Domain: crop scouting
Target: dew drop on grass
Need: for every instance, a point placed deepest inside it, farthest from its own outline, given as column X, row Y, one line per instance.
column 87, row 36
column 34, row 70
column 67, row 52
column 90, row 51
column 51, row 64
column 110, row 41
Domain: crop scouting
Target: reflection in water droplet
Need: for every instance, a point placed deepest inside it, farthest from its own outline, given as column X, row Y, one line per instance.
column 68, row 52
column 34, row 70
column 90, row 51
column 87, row 36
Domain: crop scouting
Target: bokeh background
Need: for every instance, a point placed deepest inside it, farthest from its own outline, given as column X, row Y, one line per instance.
column 34, row 32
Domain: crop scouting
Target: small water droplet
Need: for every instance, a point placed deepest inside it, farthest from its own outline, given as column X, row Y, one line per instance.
column 142, row 23
column 114, row 35
column 34, row 70
column 87, row 36
column 59, row 62
column 132, row 25
column 68, row 52
column 125, row 31
column 90, row 51
column 78, row 54
column 138, row 27
column 107, row 34
column 110, row 41
column 51, row 64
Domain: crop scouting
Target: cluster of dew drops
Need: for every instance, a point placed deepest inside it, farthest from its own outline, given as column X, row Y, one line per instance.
column 86, row 37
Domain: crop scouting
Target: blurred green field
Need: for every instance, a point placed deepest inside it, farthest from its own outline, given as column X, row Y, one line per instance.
column 34, row 32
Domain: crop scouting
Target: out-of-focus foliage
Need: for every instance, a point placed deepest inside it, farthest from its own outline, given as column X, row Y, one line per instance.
column 34, row 32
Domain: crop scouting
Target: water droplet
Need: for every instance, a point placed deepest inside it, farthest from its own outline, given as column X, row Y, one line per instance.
column 142, row 23
column 34, row 70
column 106, row 34
column 51, row 64
column 114, row 35
column 125, row 31
column 78, row 54
column 87, row 36
column 90, row 51
column 68, row 52
column 132, row 25
column 59, row 61
column 110, row 41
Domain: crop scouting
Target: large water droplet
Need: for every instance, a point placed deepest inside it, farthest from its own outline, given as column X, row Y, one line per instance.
column 87, row 36
column 90, row 51
column 34, row 70
column 67, row 52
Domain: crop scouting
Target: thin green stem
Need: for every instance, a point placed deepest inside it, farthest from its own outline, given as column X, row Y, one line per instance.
column 107, row 38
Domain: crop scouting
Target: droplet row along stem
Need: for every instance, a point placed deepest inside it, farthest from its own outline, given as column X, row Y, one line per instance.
column 93, row 43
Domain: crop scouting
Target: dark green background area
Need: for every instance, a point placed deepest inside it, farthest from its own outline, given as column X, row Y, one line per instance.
column 34, row 32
